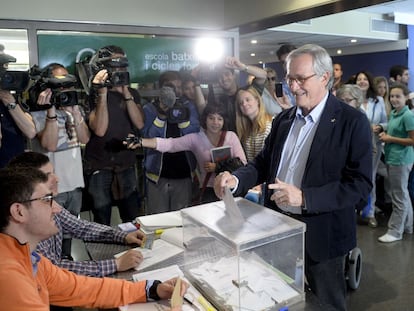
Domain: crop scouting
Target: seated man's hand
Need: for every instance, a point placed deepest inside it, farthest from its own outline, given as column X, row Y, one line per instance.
column 131, row 259
column 135, row 237
column 165, row 289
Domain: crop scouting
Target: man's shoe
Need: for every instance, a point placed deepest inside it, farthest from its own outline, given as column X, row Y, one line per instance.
column 388, row 238
column 372, row 222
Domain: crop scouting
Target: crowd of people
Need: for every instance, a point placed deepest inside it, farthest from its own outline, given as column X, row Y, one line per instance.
column 285, row 140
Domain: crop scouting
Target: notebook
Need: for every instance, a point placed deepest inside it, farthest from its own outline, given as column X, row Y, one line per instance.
column 220, row 153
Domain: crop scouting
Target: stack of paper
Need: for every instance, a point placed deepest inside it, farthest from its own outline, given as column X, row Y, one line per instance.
column 161, row 251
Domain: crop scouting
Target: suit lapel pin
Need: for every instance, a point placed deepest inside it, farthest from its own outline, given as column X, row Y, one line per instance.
column 333, row 120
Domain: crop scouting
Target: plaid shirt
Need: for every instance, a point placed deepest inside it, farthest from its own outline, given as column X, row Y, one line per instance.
column 87, row 231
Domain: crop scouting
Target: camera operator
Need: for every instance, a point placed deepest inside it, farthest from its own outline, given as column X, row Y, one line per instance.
column 15, row 123
column 227, row 81
column 60, row 131
column 169, row 175
column 115, row 113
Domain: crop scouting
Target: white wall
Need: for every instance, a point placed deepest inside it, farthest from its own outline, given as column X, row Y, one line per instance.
column 169, row 13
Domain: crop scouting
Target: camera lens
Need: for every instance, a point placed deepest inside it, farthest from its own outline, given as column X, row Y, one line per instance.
column 8, row 78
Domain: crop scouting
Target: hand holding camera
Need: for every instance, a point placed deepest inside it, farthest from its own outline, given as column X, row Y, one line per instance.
column 6, row 97
column 132, row 142
column 44, row 97
column 100, row 78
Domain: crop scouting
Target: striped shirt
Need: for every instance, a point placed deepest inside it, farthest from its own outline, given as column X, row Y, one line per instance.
column 254, row 143
column 87, row 231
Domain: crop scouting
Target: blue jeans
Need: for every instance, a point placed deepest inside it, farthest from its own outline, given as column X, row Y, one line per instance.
column 71, row 200
column 100, row 189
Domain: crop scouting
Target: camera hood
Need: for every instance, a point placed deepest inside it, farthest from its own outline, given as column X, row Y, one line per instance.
column 116, row 62
column 65, row 81
column 6, row 58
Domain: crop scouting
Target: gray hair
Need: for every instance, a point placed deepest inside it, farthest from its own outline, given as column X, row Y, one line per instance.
column 322, row 62
column 353, row 90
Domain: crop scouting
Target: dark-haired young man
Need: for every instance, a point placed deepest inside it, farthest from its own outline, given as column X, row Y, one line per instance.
column 399, row 73
column 29, row 281
column 282, row 53
column 115, row 113
column 73, row 226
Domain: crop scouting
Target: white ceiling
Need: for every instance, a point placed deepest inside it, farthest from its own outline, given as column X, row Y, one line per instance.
column 268, row 41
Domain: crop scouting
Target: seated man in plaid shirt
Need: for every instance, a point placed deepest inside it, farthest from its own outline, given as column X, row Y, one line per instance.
column 81, row 229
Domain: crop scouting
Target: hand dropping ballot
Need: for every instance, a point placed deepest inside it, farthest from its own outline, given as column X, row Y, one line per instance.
column 231, row 208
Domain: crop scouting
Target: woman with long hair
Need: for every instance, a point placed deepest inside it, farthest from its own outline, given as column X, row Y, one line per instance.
column 374, row 108
column 382, row 88
column 399, row 158
column 253, row 123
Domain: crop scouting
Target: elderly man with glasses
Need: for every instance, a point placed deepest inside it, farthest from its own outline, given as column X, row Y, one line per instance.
column 316, row 162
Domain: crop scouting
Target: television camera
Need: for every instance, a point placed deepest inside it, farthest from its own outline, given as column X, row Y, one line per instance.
column 11, row 80
column 62, row 87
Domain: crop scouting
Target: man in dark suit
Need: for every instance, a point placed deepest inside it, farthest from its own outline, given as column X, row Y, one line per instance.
column 317, row 164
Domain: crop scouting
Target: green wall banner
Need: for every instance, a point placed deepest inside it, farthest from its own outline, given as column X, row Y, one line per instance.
column 148, row 56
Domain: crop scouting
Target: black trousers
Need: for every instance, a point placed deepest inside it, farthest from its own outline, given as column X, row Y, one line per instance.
column 327, row 281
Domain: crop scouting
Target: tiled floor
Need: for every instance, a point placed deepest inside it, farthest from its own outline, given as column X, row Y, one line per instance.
column 387, row 279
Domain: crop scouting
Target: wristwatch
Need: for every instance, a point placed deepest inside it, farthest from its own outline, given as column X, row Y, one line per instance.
column 11, row 106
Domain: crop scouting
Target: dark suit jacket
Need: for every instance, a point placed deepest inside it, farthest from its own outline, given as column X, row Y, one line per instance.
column 337, row 176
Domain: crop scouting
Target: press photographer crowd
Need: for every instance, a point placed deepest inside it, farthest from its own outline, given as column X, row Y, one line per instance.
column 90, row 124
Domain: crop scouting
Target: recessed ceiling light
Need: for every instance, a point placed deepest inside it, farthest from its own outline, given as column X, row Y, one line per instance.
column 252, row 54
column 339, row 51
column 260, row 62
column 253, row 41
column 354, row 40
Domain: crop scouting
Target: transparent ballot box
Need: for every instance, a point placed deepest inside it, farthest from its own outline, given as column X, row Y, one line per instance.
column 253, row 264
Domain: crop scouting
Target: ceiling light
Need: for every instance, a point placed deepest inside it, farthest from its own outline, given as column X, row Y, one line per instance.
column 253, row 41
column 339, row 51
column 252, row 54
column 354, row 40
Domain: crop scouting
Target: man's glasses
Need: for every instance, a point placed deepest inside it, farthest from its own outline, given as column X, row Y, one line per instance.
column 300, row 81
column 271, row 78
column 47, row 199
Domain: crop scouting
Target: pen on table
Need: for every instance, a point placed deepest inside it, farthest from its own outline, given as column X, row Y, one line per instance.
column 188, row 300
column 206, row 305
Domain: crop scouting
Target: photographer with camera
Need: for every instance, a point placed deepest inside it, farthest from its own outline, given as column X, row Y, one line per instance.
column 169, row 175
column 61, row 129
column 115, row 113
column 15, row 123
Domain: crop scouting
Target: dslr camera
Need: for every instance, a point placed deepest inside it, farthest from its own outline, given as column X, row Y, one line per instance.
column 63, row 92
column 179, row 112
column 12, row 80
